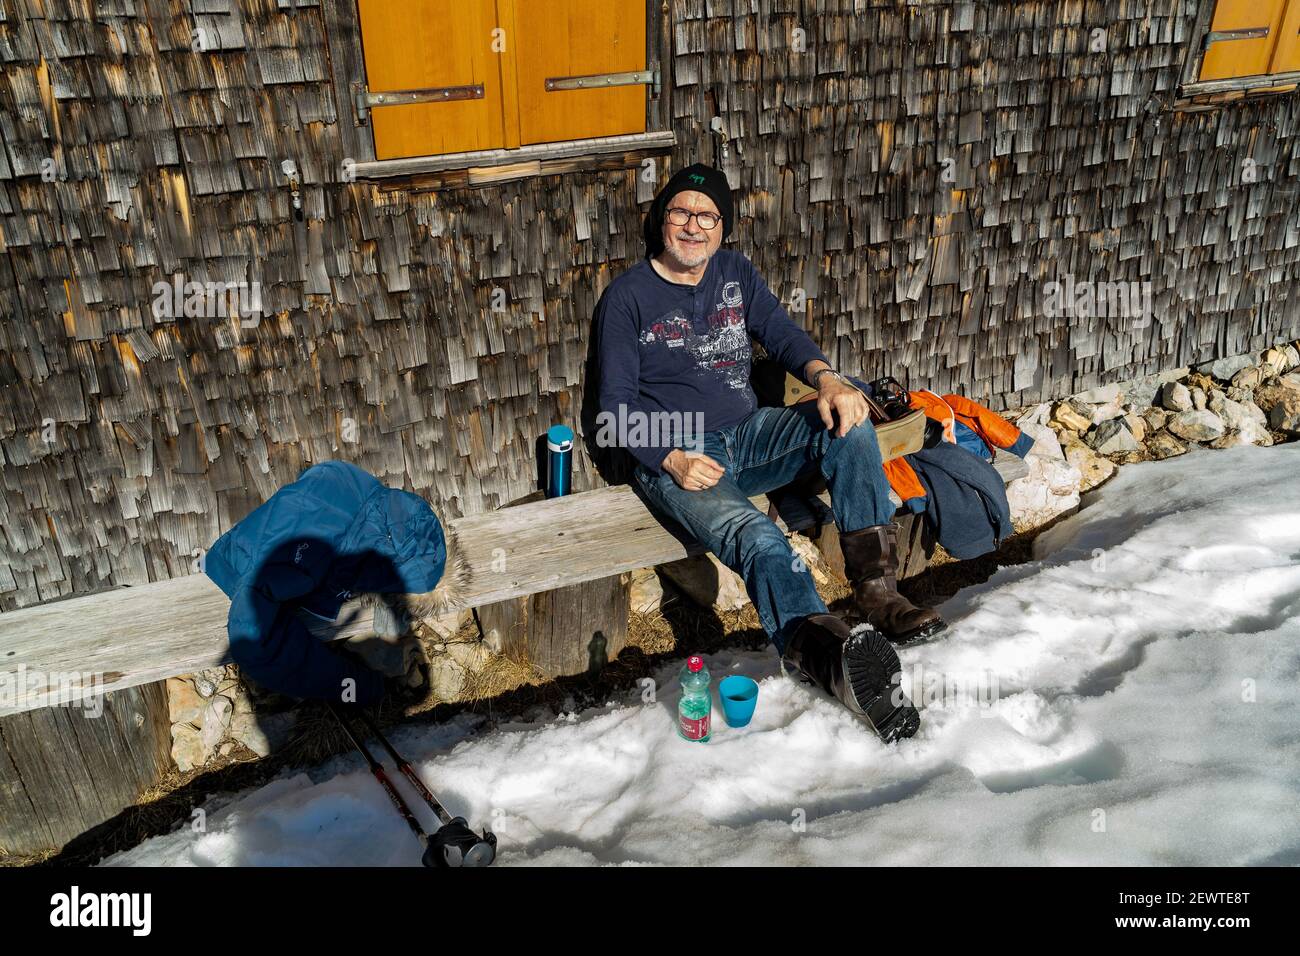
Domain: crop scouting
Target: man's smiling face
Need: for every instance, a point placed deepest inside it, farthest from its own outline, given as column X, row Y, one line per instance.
column 691, row 245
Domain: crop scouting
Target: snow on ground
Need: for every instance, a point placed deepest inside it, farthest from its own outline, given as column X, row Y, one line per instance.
column 1132, row 696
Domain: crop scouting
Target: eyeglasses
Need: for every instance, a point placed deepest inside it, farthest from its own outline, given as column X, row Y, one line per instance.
column 680, row 217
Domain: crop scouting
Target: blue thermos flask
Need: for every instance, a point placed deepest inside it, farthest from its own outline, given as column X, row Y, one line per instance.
column 559, row 454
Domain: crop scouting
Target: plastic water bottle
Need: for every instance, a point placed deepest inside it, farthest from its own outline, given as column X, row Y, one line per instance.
column 696, row 705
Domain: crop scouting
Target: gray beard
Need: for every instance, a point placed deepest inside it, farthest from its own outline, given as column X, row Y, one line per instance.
column 690, row 263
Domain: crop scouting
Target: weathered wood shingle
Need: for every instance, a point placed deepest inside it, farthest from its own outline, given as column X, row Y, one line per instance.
column 914, row 171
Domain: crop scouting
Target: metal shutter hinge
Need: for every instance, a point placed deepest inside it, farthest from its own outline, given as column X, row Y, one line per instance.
column 366, row 100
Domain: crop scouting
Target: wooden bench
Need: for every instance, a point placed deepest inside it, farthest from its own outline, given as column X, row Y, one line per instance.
column 547, row 577
column 136, row 635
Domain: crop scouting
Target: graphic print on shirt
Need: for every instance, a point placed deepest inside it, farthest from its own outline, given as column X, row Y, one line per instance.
column 723, row 350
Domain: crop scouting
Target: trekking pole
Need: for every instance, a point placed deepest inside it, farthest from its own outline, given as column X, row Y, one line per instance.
column 454, row 839
column 455, row 844
column 407, row 770
column 377, row 770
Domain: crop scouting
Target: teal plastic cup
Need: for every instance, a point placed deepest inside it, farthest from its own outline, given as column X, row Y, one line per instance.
column 739, row 695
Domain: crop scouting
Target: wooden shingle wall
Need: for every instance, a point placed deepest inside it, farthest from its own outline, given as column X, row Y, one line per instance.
column 916, row 171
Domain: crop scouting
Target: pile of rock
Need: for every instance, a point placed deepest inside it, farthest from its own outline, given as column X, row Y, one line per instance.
column 1243, row 400
column 213, row 710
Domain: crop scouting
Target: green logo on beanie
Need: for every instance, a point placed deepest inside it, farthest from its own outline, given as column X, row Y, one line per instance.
column 696, row 177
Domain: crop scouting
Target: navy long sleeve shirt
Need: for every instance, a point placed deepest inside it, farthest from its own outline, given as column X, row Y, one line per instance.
column 668, row 347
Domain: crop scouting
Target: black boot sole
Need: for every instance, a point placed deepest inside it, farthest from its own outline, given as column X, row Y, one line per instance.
column 920, row 635
column 871, row 670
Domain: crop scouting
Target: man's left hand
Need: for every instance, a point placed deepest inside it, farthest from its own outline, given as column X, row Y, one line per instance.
column 844, row 400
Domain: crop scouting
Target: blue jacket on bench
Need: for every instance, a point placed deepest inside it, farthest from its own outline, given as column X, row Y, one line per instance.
column 334, row 533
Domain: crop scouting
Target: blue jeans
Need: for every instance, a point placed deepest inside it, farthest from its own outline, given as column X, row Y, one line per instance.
column 769, row 449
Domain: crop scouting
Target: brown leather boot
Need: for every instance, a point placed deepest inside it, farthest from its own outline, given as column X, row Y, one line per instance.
column 858, row 668
column 871, row 565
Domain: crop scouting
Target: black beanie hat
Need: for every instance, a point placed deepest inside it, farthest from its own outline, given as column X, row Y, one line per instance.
column 698, row 178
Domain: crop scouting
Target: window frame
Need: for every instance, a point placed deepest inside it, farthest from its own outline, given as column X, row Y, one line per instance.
column 1259, row 84
column 343, row 37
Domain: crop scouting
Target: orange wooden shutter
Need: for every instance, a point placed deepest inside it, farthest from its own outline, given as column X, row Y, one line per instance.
column 562, row 38
column 1250, row 57
column 426, row 44
column 1287, row 56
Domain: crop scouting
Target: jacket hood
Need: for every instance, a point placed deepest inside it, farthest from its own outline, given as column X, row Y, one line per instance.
column 403, row 528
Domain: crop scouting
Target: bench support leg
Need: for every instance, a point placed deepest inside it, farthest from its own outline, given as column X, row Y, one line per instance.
column 567, row 631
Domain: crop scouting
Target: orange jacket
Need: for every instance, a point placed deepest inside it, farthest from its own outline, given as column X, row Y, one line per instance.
column 991, row 427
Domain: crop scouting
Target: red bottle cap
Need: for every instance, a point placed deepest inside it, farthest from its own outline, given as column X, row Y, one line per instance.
column 695, row 663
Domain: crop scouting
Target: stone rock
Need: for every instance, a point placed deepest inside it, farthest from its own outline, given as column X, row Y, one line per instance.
column 208, row 682
column 1250, row 377
column 1050, row 488
column 215, row 722
column 1093, row 468
column 1223, row 369
column 472, row 656
column 1198, row 425
column 1251, row 433
column 1046, row 443
column 647, row 591
column 1266, row 396
column 806, row 550
column 243, row 701
column 1176, row 397
column 1275, row 359
column 1199, row 380
column 448, row 625
column 1243, row 395
column 184, row 705
column 1112, row 438
column 263, row 734
column 451, row 669
column 1236, row 416
column 1137, row 425
column 1107, row 412
column 1291, row 355
column 187, row 747
column 446, row 677
column 1163, row 445
column 1199, row 399
column 1038, row 414
column 1284, row 416
column 1155, row 419
column 1101, row 395
column 708, row 582
column 1141, row 392
column 1073, row 415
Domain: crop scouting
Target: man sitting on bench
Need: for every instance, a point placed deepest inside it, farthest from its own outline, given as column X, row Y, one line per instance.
column 674, row 346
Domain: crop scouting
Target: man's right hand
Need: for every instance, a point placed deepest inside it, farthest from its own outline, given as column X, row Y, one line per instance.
column 693, row 471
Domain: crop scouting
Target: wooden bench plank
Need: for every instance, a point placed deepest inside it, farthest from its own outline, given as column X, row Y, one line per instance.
column 134, row 635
